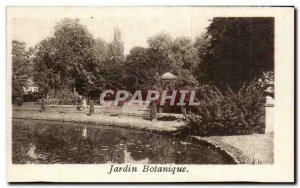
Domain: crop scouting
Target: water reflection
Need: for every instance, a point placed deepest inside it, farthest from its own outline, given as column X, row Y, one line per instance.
column 53, row 142
column 84, row 133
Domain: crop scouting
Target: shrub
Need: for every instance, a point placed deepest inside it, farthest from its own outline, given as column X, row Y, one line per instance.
column 17, row 94
column 63, row 97
column 18, row 101
column 50, row 101
column 66, row 97
column 32, row 97
column 227, row 113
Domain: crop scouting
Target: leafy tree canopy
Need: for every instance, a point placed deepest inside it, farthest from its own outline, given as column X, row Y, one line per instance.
column 20, row 68
column 239, row 50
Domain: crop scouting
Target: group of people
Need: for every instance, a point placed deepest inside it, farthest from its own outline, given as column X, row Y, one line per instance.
column 81, row 102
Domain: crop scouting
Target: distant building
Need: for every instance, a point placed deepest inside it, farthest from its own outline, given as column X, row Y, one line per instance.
column 168, row 80
column 30, row 87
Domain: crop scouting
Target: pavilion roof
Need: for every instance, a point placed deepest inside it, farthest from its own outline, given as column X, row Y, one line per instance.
column 168, row 76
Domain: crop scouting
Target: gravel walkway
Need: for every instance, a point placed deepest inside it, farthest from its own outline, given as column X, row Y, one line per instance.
column 102, row 119
column 248, row 149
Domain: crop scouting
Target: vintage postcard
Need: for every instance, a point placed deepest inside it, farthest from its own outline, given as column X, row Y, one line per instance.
column 150, row 94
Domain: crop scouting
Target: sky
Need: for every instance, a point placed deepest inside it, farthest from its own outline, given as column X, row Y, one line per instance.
column 137, row 24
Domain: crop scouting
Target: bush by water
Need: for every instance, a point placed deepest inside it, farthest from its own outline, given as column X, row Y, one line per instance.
column 228, row 113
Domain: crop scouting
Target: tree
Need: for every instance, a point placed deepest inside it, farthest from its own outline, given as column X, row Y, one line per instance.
column 101, row 51
column 178, row 56
column 70, row 59
column 116, row 48
column 20, row 68
column 164, row 54
column 201, row 45
column 185, row 60
column 142, row 64
column 109, row 58
column 138, row 72
column 159, row 55
column 46, row 70
column 239, row 50
column 74, row 53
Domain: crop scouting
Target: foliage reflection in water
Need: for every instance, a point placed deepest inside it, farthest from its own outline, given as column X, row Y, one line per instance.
column 42, row 142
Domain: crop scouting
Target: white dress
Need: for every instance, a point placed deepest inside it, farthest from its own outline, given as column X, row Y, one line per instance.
column 84, row 105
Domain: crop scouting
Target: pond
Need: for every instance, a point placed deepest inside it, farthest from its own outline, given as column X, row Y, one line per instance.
column 48, row 142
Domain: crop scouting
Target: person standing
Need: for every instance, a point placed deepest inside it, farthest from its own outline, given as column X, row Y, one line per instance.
column 78, row 103
column 43, row 106
column 153, row 111
column 84, row 104
column 92, row 110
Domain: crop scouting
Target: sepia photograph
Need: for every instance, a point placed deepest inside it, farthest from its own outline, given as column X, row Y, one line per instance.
column 146, row 90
